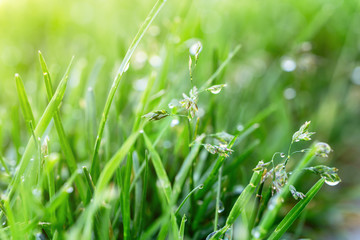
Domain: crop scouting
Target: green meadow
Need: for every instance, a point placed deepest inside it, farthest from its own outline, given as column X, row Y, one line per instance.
column 194, row 119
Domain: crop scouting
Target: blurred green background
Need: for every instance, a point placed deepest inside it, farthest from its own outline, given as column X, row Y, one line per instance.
column 300, row 58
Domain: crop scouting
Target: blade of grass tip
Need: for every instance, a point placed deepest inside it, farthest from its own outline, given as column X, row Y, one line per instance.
column 240, row 203
column 159, row 168
column 186, row 198
column 276, row 201
column 182, row 227
column 295, row 211
column 24, row 102
column 153, row 13
column 44, row 121
column 211, row 179
column 220, row 68
column 64, row 143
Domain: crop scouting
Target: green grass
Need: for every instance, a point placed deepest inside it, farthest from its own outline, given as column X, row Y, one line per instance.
column 197, row 135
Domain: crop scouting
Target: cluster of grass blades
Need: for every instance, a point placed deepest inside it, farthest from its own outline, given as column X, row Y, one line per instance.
column 136, row 193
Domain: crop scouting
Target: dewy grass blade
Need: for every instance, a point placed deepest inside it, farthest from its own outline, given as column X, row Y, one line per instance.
column 24, row 102
column 240, row 203
column 153, row 13
column 44, row 121
column 65, row 146
column 276, row 201
column 295, row 211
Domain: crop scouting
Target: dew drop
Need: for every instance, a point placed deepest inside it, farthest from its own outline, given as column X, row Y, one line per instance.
column 36, row 192
column 201, row 186
column 195, row 48
column 210, row 235
column 221, row 207
column 240, row 127
column 215, row 91
column 282, row 155
column 70, row 190
column 22, row 178
column 288, row 64
column 255, row 232
column 331, row 182
column 4, row 223
column 141, row 131
column 174, row 122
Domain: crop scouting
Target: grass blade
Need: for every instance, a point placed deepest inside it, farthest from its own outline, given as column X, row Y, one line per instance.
column 65, row 146
column 295, row 211
column 44, row 121
column 24, row 102
column 153, row 13
column 240, row 203
column 159, row 168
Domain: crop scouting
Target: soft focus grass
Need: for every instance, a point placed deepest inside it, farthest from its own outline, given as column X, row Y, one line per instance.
column 98, row 34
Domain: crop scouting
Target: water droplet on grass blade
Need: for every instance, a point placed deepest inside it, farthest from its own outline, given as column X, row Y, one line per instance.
column 282, row 155
column 332, row 182
column 221, row 207
column 210, row 235
column 196, row 48
column 70, row 190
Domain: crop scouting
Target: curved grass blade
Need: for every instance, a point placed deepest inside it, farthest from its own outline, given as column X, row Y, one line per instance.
column 64, row 143
column 24, row 102
column 295, row 211
column 182, row 228
column 44, row 121
column 153, row 13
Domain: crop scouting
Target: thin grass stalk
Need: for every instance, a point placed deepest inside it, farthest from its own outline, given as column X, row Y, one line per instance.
column 95, row 166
